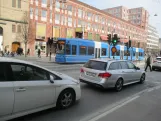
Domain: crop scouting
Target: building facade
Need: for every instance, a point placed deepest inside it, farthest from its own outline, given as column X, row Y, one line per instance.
column 11, row 19
column 152, row 40
column 72, row 18
column 120, row 12
column 160, row 46
column 137, row 16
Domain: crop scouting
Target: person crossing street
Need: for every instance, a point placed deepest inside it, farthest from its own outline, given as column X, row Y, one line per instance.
column 148, row 62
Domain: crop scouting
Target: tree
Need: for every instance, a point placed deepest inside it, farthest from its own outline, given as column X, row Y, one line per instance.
column 24, row 33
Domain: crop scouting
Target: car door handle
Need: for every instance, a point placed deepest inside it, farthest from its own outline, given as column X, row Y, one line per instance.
column 20, row 90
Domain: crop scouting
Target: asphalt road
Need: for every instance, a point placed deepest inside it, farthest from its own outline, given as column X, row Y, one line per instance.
column 93, row 99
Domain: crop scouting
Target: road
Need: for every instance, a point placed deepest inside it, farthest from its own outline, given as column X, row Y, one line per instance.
column 93, row 99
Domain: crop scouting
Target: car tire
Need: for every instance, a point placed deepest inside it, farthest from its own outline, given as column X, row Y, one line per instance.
column 142, row 78
column 119, row 85
column 153, row 68
column 66, row 99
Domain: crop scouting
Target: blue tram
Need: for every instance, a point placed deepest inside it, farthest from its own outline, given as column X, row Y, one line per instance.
column 77, row 50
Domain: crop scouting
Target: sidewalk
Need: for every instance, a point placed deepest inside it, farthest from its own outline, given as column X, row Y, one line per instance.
column 146, row 107
column 37, row 59
column 46, row 59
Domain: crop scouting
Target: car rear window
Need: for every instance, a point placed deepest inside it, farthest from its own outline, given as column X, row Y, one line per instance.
column 159, row 59
column 97, row 65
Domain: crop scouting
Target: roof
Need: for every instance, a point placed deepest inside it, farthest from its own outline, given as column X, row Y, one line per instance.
column 106, row 60
column 12, row 60
column 105, row 13
column 5, row 59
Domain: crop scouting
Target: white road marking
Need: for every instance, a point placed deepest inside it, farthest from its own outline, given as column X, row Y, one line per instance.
column 113, row 109
column 150, row 90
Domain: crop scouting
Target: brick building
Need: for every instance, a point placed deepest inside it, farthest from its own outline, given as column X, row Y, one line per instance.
column 120, row 12
column 138, row 16
column 50, row 18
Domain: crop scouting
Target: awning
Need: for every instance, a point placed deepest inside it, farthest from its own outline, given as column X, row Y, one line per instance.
column 104, row 38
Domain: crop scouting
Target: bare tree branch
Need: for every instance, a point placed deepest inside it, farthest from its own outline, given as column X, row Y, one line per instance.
column 24, row 33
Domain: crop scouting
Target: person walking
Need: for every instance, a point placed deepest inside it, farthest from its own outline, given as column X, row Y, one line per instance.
column 39, row 53
column 148, row 63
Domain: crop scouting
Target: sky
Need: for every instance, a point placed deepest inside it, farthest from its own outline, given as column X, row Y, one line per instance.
column 153, row 7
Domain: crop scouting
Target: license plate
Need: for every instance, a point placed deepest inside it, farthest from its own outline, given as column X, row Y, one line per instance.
column 90, row 74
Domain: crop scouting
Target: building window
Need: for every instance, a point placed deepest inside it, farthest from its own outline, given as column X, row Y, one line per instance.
column 57, row 18
column 44, row 2
column 51, row 2
column 79, row 13
column 19, row 28
column 36, row 11
column 13, row 3
column 31, row 11
column 62, row 20
column 43, row 13
column 70, row 21
column 69, row 8
column 19, row 3
column 90, row 36
column 57, row 5
column 13, row 28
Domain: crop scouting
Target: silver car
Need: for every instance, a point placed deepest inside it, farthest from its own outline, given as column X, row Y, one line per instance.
column 108, row 73
column 157, row 64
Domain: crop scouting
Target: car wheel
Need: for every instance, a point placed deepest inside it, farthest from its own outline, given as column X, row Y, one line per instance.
column 153, row 68
column 142, row 78
column 119, row 85
column 66, row 99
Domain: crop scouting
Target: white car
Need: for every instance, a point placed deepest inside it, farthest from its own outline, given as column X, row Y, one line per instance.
column 27, row 88
column 157, row 64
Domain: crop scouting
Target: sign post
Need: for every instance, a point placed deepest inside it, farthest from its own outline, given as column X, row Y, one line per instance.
column 114, row 50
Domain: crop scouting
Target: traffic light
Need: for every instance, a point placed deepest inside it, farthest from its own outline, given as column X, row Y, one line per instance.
column 115, row 40
column 138, row 44
column 129, row 43
column 109, row 39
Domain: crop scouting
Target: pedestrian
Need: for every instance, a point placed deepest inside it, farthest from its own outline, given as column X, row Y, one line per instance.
column 39, row 53
column 148, row 62
column 28, row 52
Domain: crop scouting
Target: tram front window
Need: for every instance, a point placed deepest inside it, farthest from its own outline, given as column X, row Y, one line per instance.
column 60, row 47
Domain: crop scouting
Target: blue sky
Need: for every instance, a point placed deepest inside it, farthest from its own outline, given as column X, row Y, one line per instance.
column 153, row 7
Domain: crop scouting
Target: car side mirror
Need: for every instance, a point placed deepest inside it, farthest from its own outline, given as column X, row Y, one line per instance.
column 52, row 78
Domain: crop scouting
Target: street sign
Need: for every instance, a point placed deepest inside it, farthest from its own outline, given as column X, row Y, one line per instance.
column 113, row 49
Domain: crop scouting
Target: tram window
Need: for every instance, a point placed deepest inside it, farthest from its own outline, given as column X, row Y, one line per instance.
column 74, row 49
column 104, row 51
column 118, row 53
column 60, row 47
column 134, row 54
column 68, row 49
column 90, row 50
column 82, row 50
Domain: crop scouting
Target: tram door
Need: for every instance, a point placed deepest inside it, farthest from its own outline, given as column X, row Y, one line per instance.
column 121, row 52
column 97, row 49
column 97, row 52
